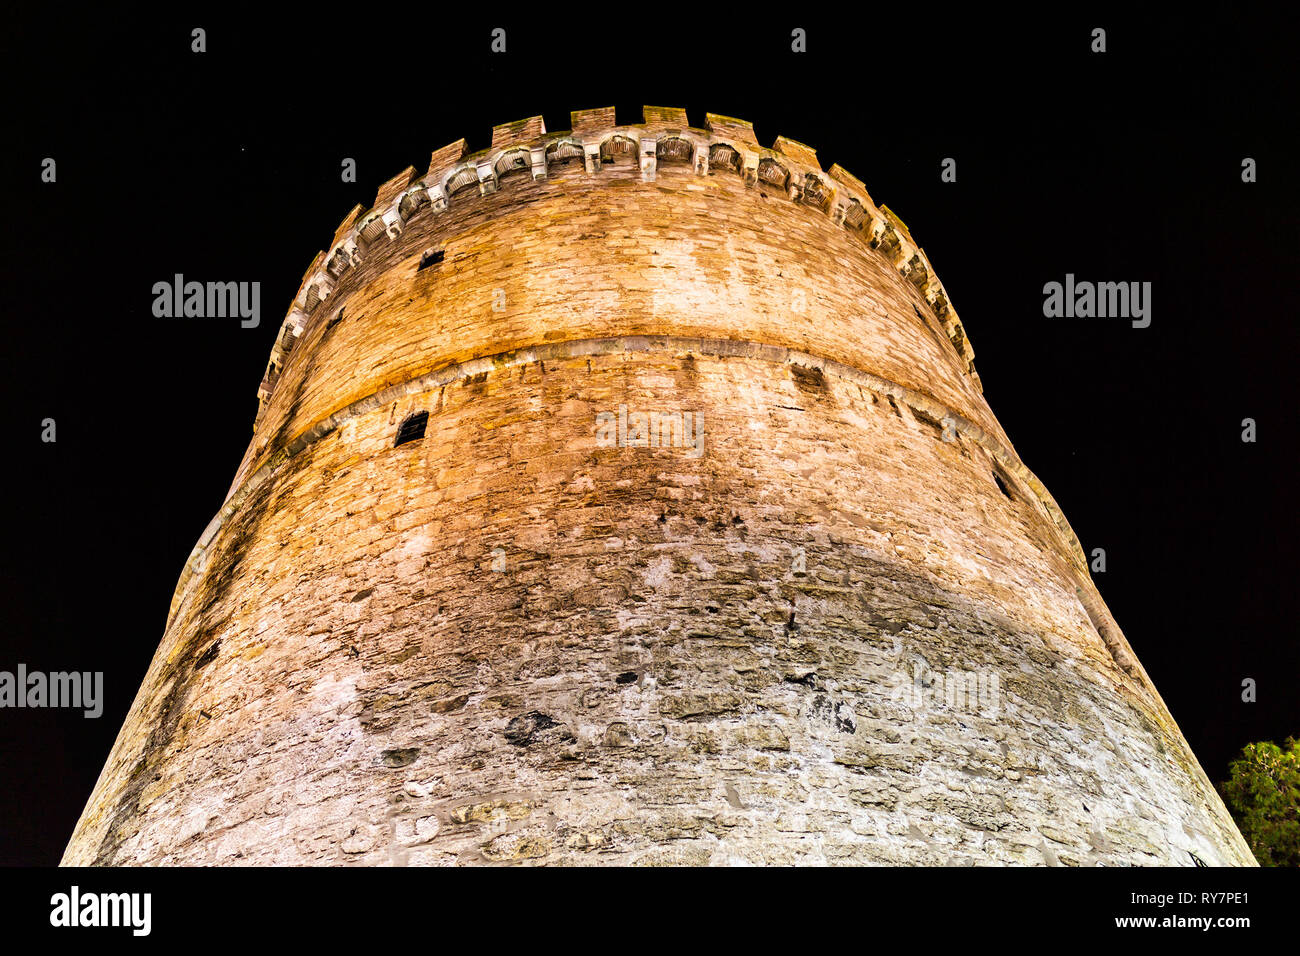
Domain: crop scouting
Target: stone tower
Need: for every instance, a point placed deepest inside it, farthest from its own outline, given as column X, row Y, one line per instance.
column 627, row 495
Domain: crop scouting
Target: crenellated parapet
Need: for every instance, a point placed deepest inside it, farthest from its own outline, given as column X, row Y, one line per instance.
column 525, row 151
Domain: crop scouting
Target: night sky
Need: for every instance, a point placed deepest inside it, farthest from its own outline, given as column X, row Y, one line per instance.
column 1122, row 166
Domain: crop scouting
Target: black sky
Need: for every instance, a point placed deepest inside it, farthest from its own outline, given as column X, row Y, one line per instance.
column 1116, row 167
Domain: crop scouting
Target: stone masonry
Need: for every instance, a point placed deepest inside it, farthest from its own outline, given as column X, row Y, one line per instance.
column 818, row 611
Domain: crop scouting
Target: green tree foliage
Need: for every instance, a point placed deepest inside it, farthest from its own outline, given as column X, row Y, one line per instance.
column 1263, row 793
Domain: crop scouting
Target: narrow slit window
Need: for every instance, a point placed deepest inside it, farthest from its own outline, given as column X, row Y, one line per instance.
column 412, row 429
column 430, row 258
column 1002, row 485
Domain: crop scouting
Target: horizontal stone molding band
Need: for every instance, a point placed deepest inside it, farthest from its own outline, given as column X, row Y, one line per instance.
column 722, row 348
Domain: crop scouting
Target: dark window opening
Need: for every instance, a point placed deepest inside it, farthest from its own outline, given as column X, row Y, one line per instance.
column 925, row 418
column 1002, row 485
column 335, row 321
column 209, row 655
column 412, row 429
column 430, row 258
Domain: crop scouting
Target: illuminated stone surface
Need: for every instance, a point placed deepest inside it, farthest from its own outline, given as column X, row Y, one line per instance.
column 855, row 628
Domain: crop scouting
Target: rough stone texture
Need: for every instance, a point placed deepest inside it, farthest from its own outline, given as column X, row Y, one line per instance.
column 509, row 642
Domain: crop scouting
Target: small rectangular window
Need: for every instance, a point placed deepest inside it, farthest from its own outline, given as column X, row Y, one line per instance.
column 412, row 428
column 1002, row 485
column 430, row 258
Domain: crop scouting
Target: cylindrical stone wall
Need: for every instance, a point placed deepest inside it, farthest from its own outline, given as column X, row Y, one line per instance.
column 822, row 613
